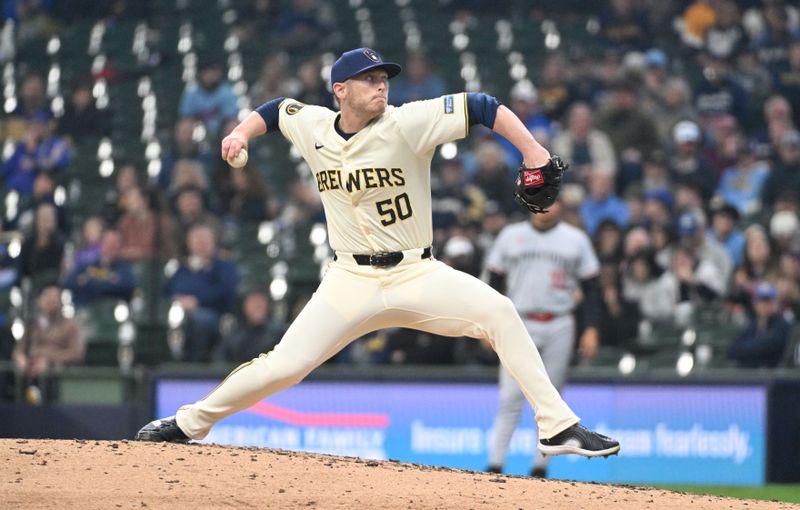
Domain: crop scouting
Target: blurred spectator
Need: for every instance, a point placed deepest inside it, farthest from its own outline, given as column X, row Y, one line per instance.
column 126, row 178
column 190, row 213
column 39, row 151
column 144, row 234
column 741, row 185
column 704, row 247
column 188, row 173
column 759, row 263
column 785, row 174
column 719, row 94
column 772, row 45
column 211, row 99
column 687, row 165
column 275, row 79
column 81, row 117
column 460, row 253
column 632, row 133
column 108, row 277
column 584, row 146
column 33, row 21
column 50, row 340
column 525, row 104
column 754, row 20
column 787, row 79
column 32, row 100
column 44, row 187
column 184, row 147
column 697, row 19
column 602, row 203
column 608, row 242
column 454, row 200
column 624, row 25
column 676, row 292
column 674, row 106
column 725, row 38
column 88, row 249
column 657, row 209
column 777, row 111
column 784, row 228
column 788, row 284
column 259, row 17
column 250, row 201
column 43, row 250
column 752, row 76
column 493, row 221
column 655, row 175
column 555, row 91
column 619, row 316
column 258, row 331
column 725, row 142
column 723, row 229
column 493, row 176
column 205, row 287
column 313, row 89
column 763, row 340
column 417, row 81
column 304, row 24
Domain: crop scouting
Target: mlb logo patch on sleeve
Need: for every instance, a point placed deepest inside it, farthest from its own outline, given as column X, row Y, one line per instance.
column 448, row 104
column 533, row 177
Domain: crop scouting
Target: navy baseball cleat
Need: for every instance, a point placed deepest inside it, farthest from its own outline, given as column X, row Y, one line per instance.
column 579, row 440
column 165, row 430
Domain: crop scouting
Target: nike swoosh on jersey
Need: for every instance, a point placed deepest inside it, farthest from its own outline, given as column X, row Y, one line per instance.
column 318, row 146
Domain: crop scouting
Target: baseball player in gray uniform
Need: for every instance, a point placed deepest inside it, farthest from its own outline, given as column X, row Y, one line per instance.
column 371, row 164
column 544, row 266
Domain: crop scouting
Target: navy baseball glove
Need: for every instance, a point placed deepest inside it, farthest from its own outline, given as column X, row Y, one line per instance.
column 537, row 189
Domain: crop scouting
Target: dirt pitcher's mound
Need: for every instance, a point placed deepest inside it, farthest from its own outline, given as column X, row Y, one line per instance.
column 106, row 475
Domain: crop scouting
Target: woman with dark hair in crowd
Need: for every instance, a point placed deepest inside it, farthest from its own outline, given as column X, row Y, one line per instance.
column 759, row 264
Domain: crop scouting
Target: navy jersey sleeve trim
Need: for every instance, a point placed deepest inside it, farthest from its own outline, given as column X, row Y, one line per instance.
column 482, row 109
column 269, row 112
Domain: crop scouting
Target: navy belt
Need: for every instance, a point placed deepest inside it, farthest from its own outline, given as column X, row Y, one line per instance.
column 384, row 258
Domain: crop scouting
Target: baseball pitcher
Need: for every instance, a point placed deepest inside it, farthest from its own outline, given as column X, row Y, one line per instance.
column 371, row 163
column 544, row 266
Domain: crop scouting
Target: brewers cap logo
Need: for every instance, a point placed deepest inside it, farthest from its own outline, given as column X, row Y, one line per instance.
column 532, row 177
column 372, row 55
column 294, row 108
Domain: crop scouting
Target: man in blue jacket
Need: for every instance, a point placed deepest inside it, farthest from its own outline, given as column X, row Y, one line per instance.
column 764, row 339
column 109, row 277
column 205, row 287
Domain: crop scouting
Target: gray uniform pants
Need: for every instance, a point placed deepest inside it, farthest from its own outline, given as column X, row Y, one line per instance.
column 555, row 340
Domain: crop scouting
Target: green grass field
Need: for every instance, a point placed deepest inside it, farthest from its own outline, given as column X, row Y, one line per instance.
column 784, row 492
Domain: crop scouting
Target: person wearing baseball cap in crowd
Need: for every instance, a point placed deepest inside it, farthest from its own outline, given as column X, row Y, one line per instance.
column 693, row 237
column 763, row 341
column 688, row 165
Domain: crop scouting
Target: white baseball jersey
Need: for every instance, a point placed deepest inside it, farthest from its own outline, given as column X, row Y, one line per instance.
column 543, row 269
column 376, row 192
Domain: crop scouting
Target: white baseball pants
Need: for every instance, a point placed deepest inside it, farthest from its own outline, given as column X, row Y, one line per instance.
column 352, row 300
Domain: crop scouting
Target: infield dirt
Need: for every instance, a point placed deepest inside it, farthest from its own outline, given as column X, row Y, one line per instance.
column 58, row 474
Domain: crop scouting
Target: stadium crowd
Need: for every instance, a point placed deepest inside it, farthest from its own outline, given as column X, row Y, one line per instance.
column 685, row 171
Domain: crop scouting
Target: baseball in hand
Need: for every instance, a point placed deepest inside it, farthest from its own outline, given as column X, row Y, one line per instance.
column 239, row 160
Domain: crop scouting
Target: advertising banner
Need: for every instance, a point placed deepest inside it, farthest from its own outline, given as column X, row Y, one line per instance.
column 669, row 434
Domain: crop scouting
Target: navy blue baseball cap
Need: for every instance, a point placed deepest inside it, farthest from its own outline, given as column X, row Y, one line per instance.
column 357, row 61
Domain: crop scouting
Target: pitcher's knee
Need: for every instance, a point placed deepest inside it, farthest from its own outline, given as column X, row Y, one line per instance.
column 499, row 309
